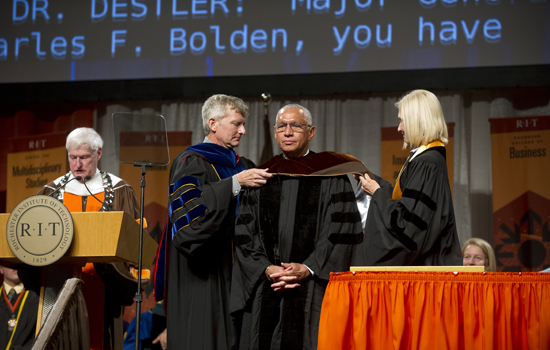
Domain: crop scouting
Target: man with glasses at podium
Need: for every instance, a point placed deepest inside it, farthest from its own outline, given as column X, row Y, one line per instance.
column 87, row 189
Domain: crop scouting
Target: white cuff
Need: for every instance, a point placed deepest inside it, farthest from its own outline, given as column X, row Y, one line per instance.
column 236, row 186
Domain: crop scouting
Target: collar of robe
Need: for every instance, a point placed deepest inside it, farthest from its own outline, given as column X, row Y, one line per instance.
column 23, row 294
column 317, row 164
column 14, row 306
column 397, row 188
column 214, row 153
column 100, row 182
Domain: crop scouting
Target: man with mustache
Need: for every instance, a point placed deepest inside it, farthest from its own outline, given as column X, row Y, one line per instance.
column 290, row 234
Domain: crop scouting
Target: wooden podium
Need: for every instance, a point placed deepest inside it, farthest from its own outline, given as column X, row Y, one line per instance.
column 99, row 237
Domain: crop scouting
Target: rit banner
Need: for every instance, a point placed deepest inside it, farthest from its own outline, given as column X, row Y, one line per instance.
column 521, row 192
column 393, row 156
column 33, row 161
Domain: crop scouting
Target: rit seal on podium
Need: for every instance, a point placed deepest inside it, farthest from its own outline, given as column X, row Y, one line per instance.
column 39, row 230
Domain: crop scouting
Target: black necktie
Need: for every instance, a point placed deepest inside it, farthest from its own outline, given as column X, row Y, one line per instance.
column 12, row 296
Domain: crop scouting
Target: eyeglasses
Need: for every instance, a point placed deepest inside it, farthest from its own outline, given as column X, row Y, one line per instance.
column 294, row 126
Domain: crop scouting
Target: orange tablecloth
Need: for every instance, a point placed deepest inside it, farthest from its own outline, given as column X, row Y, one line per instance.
column 436, row 310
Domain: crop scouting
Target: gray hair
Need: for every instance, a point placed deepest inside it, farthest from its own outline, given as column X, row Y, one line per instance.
column 216, row 107
column 307, row 113
column 84, row 136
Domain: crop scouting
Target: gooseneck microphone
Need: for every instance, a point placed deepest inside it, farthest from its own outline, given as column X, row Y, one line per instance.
column 58, row 188
column 88, row 177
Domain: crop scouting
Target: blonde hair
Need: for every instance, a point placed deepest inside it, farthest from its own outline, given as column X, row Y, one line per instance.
column 422, row 117
column 491, row 261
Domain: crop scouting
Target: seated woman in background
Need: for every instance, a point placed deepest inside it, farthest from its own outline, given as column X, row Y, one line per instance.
column 478, row 252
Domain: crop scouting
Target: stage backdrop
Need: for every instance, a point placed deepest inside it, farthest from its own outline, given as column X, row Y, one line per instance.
column 521, row 196
column 393, row 156
column 32, row 137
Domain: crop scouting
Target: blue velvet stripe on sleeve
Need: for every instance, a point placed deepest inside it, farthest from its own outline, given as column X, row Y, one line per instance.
column 183, row 199
column 182, row 181
column 185, row 220
column 190, row 193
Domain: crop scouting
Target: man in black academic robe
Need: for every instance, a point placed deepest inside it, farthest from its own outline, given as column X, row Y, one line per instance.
column 18, row 312
column 290, row 234
column 205, row 181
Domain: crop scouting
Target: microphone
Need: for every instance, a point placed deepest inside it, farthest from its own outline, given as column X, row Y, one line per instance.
column 88, row 177
column 58, row 188
column 266, row 97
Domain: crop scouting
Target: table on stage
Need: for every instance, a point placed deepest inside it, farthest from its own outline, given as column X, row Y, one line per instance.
column 436, row 310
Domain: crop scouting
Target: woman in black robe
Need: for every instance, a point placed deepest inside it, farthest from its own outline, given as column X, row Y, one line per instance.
column 415, row 224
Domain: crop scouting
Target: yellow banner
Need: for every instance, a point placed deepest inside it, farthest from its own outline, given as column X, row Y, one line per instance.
column 134, row 146
column 33, row 161
column 521, row 195
column 393, row 156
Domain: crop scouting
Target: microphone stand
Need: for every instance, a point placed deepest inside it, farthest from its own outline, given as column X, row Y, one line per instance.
column 136, row 125
column 64, row 184
column 138, row 297
column 267, row 151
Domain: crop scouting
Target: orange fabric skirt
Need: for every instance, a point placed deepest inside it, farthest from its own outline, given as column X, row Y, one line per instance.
column 436, row 310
